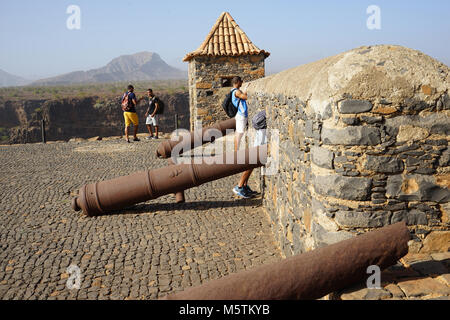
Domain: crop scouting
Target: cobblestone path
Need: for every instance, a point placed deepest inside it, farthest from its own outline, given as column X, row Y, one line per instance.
column 144, row 252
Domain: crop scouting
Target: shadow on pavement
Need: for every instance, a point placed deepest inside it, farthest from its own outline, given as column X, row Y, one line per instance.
column 191, row 205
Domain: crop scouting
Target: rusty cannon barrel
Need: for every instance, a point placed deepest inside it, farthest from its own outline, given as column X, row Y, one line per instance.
column 104, row 196
column 203, row 136
column 310, row 275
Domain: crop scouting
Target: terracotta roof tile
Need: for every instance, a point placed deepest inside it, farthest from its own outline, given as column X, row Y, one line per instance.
column 226, row 38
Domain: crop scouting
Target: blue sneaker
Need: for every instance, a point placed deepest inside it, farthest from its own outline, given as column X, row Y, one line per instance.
column 249, row 191
column 241, row 192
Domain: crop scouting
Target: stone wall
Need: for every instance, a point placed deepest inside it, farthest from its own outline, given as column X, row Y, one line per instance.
column 205, row 83
column 363, row 144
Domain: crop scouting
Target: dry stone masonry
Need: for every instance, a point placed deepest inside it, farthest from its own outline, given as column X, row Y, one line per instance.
column 226, row 52
column 363, row 144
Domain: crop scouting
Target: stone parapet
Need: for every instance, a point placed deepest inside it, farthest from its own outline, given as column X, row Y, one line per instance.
column 363, row 143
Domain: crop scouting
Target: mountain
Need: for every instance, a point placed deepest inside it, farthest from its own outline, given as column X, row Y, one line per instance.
column 10, row 80
column 140, row 66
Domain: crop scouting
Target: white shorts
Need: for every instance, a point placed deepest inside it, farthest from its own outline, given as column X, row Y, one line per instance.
column 260, row 138
column 241, row 123
column 152, row 120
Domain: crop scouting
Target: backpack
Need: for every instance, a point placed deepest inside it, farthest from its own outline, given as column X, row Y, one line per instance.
column 125, row 101
column 228, row 106
column 259, row 120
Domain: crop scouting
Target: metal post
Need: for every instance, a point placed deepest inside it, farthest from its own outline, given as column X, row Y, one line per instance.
column 44, row 140
column 176, row 121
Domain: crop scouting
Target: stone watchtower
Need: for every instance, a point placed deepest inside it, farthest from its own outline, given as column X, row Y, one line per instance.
column 226, row 52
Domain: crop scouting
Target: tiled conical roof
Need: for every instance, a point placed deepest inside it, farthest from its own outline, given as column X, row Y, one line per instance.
column 226, row 38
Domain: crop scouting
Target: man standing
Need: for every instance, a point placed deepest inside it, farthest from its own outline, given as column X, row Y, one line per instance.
column 130, row 114
column 259, row 123
column 239, row 100
column 151, row 114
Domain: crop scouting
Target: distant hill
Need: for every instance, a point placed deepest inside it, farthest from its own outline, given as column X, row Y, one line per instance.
column 135, row 67
column 10, row 80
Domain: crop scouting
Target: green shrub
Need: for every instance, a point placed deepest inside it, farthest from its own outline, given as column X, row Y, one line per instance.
column 98, row 105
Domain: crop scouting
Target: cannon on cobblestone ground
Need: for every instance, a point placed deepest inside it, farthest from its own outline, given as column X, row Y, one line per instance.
column 187, row 142
column 203, row 136
column 310, row 275
column 105, row 196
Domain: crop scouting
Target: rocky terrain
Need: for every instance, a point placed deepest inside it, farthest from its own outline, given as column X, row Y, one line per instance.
column 80, row 117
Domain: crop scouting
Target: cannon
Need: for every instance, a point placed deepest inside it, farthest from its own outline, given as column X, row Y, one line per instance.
column 203, row 136
column 310, row 275
column 115, row 194
column 186, row 143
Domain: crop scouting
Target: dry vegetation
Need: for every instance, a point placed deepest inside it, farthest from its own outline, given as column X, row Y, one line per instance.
column 104, row 90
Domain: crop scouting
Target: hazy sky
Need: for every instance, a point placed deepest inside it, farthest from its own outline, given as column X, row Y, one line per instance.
column 35, row 41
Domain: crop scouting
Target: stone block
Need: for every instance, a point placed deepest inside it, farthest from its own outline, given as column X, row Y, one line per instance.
column 395, row 290
column 352, row 121
column 436, row 241
column 203, row 85
column 443, row 257
column 359, row 219
column 416, row 188
column 422, row 287
column 425, row 171
column 355, row 106
column 357, row 135
column 410, row 161
column 372, row 120
column 444, row 160
column 445, row 213
column 349, row 188
column 386, row 110
column 360, row 292
column 307, row 217
column 412, row 217
column 259, row 73
column 411, row 133
column 312, row 130
column 383, row 164
column 202, row 111
column 444, row 278
column 441, row 128
column 322, row 237
column 429, row 268
column 427, row 90
column 322, row 157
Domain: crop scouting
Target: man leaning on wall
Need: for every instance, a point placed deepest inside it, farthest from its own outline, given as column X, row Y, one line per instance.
column 239, row 100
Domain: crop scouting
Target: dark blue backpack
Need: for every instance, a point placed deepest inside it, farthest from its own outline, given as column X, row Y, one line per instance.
column 228, row 106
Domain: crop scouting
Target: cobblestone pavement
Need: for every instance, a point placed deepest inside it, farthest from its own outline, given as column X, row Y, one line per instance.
column 144, row 252
column 151, row 249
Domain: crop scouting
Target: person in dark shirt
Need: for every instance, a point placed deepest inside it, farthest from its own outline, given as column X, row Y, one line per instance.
column 130, row 115
column 151, row 114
